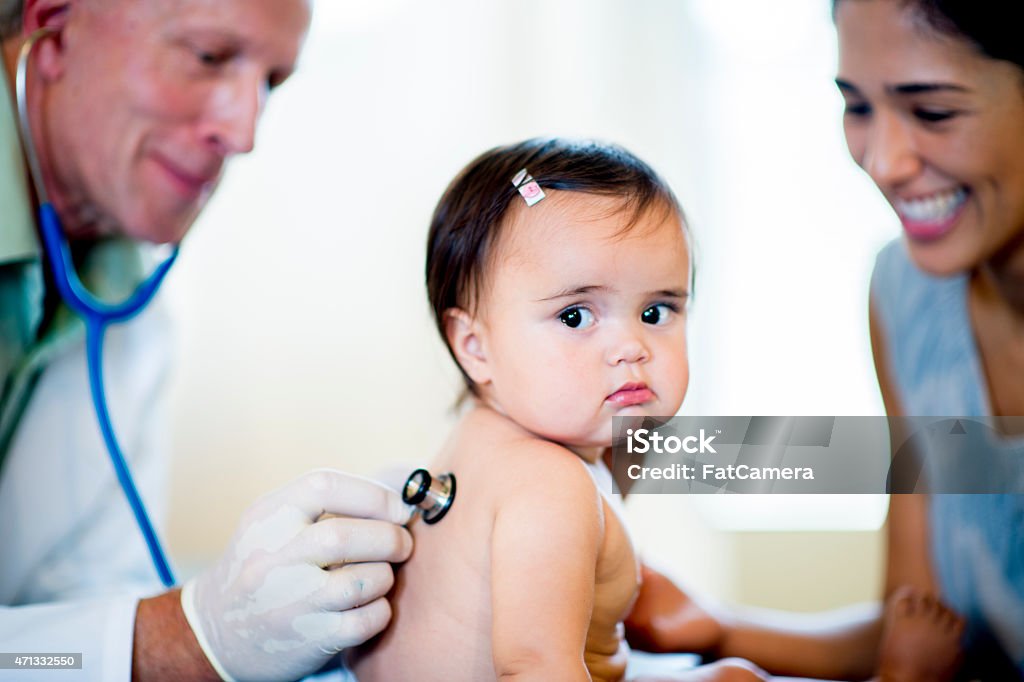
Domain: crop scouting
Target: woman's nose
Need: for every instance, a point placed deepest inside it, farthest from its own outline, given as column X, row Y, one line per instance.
column 890, row 154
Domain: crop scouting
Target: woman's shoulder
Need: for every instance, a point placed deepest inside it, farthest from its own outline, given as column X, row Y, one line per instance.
column 904, row 296
column 925, row 326
column 895, row 272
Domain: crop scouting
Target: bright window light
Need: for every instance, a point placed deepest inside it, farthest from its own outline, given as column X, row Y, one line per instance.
column 786, row 244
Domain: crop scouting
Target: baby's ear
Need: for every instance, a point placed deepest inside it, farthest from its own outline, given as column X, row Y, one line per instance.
column 463, row 332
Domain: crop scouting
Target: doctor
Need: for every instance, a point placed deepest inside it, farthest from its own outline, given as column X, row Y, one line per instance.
column 135, row 106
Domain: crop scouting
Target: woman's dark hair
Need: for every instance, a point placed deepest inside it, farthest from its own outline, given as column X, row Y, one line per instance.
column 994, row 27
column 470, row 216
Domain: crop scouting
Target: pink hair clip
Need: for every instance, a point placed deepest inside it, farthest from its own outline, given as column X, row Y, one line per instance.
column 528, row 187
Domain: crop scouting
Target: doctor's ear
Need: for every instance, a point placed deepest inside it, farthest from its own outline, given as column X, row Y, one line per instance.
column 48, row 58
column 465, row 338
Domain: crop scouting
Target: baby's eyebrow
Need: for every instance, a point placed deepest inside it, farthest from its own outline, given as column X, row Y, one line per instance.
column 576, row 291
column 591, row 288
column 671, row 293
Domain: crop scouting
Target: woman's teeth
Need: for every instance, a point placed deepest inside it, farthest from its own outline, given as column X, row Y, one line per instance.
column 933, row 209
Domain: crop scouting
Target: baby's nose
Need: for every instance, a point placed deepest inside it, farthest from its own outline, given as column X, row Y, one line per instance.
column 628, row 350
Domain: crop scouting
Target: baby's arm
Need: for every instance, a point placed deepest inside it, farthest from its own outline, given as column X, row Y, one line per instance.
column 547, row 531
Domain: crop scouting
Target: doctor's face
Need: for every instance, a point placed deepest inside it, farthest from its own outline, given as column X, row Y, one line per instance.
column 149, row 99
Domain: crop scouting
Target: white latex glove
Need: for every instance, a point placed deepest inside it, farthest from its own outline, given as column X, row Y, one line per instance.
column 295, row 587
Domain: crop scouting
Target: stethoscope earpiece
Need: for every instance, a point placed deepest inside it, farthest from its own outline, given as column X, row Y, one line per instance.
column 434, row 496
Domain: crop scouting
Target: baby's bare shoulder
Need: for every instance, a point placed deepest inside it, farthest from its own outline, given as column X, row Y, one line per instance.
column 518, row 462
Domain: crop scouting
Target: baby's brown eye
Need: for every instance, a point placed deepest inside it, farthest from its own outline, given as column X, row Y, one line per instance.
column 656, row 314
column 576, row 318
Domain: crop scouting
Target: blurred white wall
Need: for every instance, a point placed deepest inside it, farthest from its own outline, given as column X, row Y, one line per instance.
column 305, row 337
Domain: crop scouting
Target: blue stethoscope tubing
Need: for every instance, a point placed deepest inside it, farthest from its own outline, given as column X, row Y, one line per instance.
column 96, row 314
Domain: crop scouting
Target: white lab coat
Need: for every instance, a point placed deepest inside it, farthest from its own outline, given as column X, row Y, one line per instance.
column 72, row 561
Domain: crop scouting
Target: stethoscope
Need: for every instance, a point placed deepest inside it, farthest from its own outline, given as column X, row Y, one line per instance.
column 96, row 314
column 433, row 496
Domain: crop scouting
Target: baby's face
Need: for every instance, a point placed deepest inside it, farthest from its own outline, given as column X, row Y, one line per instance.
column 580, row 323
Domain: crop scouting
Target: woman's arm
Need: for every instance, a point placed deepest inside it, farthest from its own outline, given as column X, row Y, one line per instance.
column 845, row 643
column 544, row 548
column 908, row 560
column 666, row 618
column 838, row 644
column 841, row 644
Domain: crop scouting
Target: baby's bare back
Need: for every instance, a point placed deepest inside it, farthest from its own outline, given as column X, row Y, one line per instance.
column 442, row 624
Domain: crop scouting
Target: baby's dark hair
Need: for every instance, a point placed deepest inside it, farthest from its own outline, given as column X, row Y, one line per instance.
column 471, row 215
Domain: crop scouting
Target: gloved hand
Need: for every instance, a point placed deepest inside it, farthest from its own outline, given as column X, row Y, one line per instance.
column 298, row 584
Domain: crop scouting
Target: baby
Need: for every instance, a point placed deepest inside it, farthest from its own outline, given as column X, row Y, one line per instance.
column 562, row 299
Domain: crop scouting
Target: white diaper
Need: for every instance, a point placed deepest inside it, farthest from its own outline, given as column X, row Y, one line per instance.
column 640, row 663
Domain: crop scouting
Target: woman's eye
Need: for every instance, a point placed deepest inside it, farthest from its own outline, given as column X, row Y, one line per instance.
column 934, row 115
column 857, row 109
column 576, row 318
column 657, row 314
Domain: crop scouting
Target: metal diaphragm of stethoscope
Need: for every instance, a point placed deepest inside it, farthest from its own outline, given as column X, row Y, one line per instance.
column 96, row 314
column 433, row 495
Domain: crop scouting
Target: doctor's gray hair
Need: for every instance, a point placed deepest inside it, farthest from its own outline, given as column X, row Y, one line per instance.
column 10, row 18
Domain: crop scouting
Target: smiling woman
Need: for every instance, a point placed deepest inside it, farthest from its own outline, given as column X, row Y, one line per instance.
column 938, row 124
column 934, row 96
column 934, row 93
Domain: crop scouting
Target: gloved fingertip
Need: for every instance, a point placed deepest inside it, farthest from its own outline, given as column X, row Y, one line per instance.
column 407, row 545
column 401, row 513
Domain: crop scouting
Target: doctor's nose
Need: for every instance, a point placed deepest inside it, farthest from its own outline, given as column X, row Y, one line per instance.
column 232, row 114
column 890, row 154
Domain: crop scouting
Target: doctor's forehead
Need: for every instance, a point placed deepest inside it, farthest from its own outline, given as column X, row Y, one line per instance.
column 256, row 21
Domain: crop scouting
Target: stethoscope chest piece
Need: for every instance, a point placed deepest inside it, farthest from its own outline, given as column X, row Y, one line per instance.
column 433, row 495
